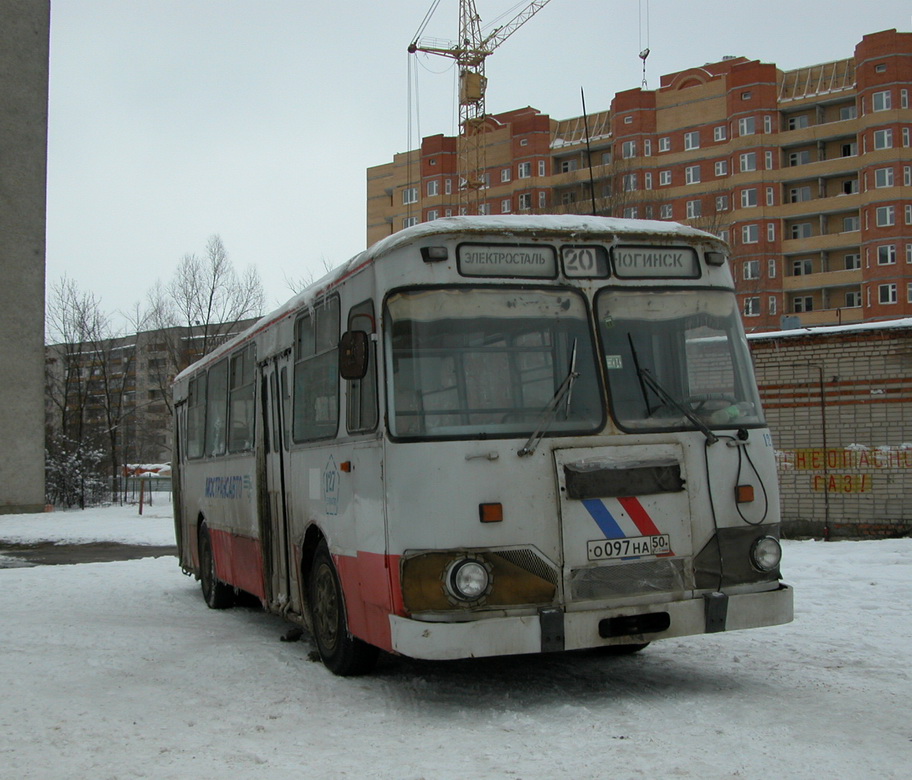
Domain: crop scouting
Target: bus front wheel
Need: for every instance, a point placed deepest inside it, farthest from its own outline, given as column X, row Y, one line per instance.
column 340, row 652
column 216, row 593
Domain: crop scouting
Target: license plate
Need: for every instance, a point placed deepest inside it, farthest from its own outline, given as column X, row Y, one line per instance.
column 633, row 547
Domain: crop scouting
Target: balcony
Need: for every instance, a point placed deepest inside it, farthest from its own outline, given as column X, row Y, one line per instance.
column 825, row 243
column 838, row 316
column 821, row 281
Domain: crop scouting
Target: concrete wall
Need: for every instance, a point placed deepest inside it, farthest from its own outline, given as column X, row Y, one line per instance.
column 24, row 36
column 839, row 404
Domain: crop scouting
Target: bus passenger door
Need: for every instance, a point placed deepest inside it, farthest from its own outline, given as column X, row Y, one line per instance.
column 274, row 521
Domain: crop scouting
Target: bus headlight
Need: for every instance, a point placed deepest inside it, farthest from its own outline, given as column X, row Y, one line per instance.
column 766, row 553
column 467, row 579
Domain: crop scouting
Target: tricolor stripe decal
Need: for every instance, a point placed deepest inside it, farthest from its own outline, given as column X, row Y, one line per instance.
column 611, row 527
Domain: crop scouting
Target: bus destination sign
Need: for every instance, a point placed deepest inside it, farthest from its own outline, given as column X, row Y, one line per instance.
column 656, row 262
column 530, row 262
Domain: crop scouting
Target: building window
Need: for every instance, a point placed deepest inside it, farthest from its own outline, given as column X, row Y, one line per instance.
column 802, row 267
column 905, row 136
column 565, row 166
column 850, row 224
column 767, row 124
column 542, row 199
column 883, row 177
column 665, row 211
column 850, row 186
column 848, row 112
column 802, row 303
column 694, row 209
column 750, row 269
column 448, row 186
column 721, row 167
column 800, row 230
column 505, row 174
column 630, row 212
column 749, row 198
column 797, row 122
column 525, row 201
column 506, row 206
column 647, row 180
column 628, row 120
column 853, row 261
column 541, row 168
column 853, row 299
column 880, row 67
column 883, row 139
column 882, row 101
column 772, row 305
column 850, row 149
column 908, row 210
column 886, row 254
column 768, row 156
column 770, row 196
column 770, row 231
column 802, row 157
column 752, row 306
column 799, row 194
column 664, row 178
column 432, row 215
column 692, row 140
column 409, row 222
column 771, row 268
column 885, row 216
column 721, row 202
column 409, row 195
column 647, row 147
column 750, row 234
column 665, row 144
column 747, row 125
column 886, row 293
column 628, row 149
column 720, row 133
column 524, row 169
column 433, row 188
column 904, row 98
column 748, row 161
column 630, row 182
column 692, row 174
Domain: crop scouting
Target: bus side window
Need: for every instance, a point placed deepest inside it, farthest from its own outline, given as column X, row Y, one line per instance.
column 217, row 409
column 316, row 373
column 362, row 409
column 240, row 407
column 196, row 416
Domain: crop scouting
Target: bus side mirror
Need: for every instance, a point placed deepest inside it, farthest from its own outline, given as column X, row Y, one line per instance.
column 353, row 353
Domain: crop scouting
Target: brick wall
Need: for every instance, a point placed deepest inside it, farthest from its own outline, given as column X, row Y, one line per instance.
column 839, row 404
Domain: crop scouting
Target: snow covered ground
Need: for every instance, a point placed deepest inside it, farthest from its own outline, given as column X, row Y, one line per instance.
column 118, row 670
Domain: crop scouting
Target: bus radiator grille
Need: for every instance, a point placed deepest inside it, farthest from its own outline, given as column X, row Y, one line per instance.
column 530, row 562
column 629, row 579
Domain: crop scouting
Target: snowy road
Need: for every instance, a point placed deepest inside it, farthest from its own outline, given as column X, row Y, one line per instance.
column 118, row 670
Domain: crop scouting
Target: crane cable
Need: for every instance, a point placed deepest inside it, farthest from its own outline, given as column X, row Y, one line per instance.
column 644, row 50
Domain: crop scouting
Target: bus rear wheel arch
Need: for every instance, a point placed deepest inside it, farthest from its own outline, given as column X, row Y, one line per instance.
column 341, row 653
column 216, row 594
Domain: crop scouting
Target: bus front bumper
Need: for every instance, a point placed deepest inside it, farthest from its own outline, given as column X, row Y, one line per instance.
column 555, row 630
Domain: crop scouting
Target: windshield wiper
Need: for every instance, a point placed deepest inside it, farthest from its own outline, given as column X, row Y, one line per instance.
column 547, row 415
column 648, row 380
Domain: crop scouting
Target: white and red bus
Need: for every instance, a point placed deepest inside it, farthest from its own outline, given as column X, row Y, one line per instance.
column 488, row 436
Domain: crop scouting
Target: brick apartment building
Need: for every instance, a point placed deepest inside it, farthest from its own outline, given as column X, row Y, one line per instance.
column 806, row 173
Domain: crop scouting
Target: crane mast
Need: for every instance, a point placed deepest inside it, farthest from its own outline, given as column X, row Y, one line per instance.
column 470, row 53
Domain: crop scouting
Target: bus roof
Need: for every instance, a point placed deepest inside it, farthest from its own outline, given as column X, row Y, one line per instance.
column 507, row 225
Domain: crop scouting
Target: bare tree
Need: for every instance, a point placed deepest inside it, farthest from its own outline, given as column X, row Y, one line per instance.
column 200, row 307
column 89, row 375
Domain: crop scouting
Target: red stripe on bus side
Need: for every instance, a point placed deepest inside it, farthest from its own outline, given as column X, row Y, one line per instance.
column 368, row 579
column 239, row 561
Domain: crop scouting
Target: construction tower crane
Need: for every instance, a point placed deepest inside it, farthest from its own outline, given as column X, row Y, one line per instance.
column 470, row 54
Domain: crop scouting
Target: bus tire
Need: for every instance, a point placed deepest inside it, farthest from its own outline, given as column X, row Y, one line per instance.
column 340, row 652
column 216, row 593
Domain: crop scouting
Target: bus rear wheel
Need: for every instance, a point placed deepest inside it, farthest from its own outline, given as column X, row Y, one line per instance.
column 216, row 593
column 340, row 652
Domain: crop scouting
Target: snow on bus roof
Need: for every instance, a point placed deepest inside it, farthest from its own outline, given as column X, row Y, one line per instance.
column 504, row 225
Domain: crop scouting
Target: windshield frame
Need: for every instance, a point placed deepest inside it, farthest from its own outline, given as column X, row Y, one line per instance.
column 636, row 374
column 578, row 330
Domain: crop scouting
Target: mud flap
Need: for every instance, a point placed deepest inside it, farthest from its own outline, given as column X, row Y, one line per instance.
column 552, row 630
column 716, row 610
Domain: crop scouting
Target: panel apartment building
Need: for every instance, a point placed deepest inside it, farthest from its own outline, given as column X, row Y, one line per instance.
column 806, row 173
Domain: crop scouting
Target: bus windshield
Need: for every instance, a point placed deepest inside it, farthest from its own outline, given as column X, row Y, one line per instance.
column 485, row 362
column 676, row 360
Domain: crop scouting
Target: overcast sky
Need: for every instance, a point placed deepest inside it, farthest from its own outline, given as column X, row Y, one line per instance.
column 172, row 120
